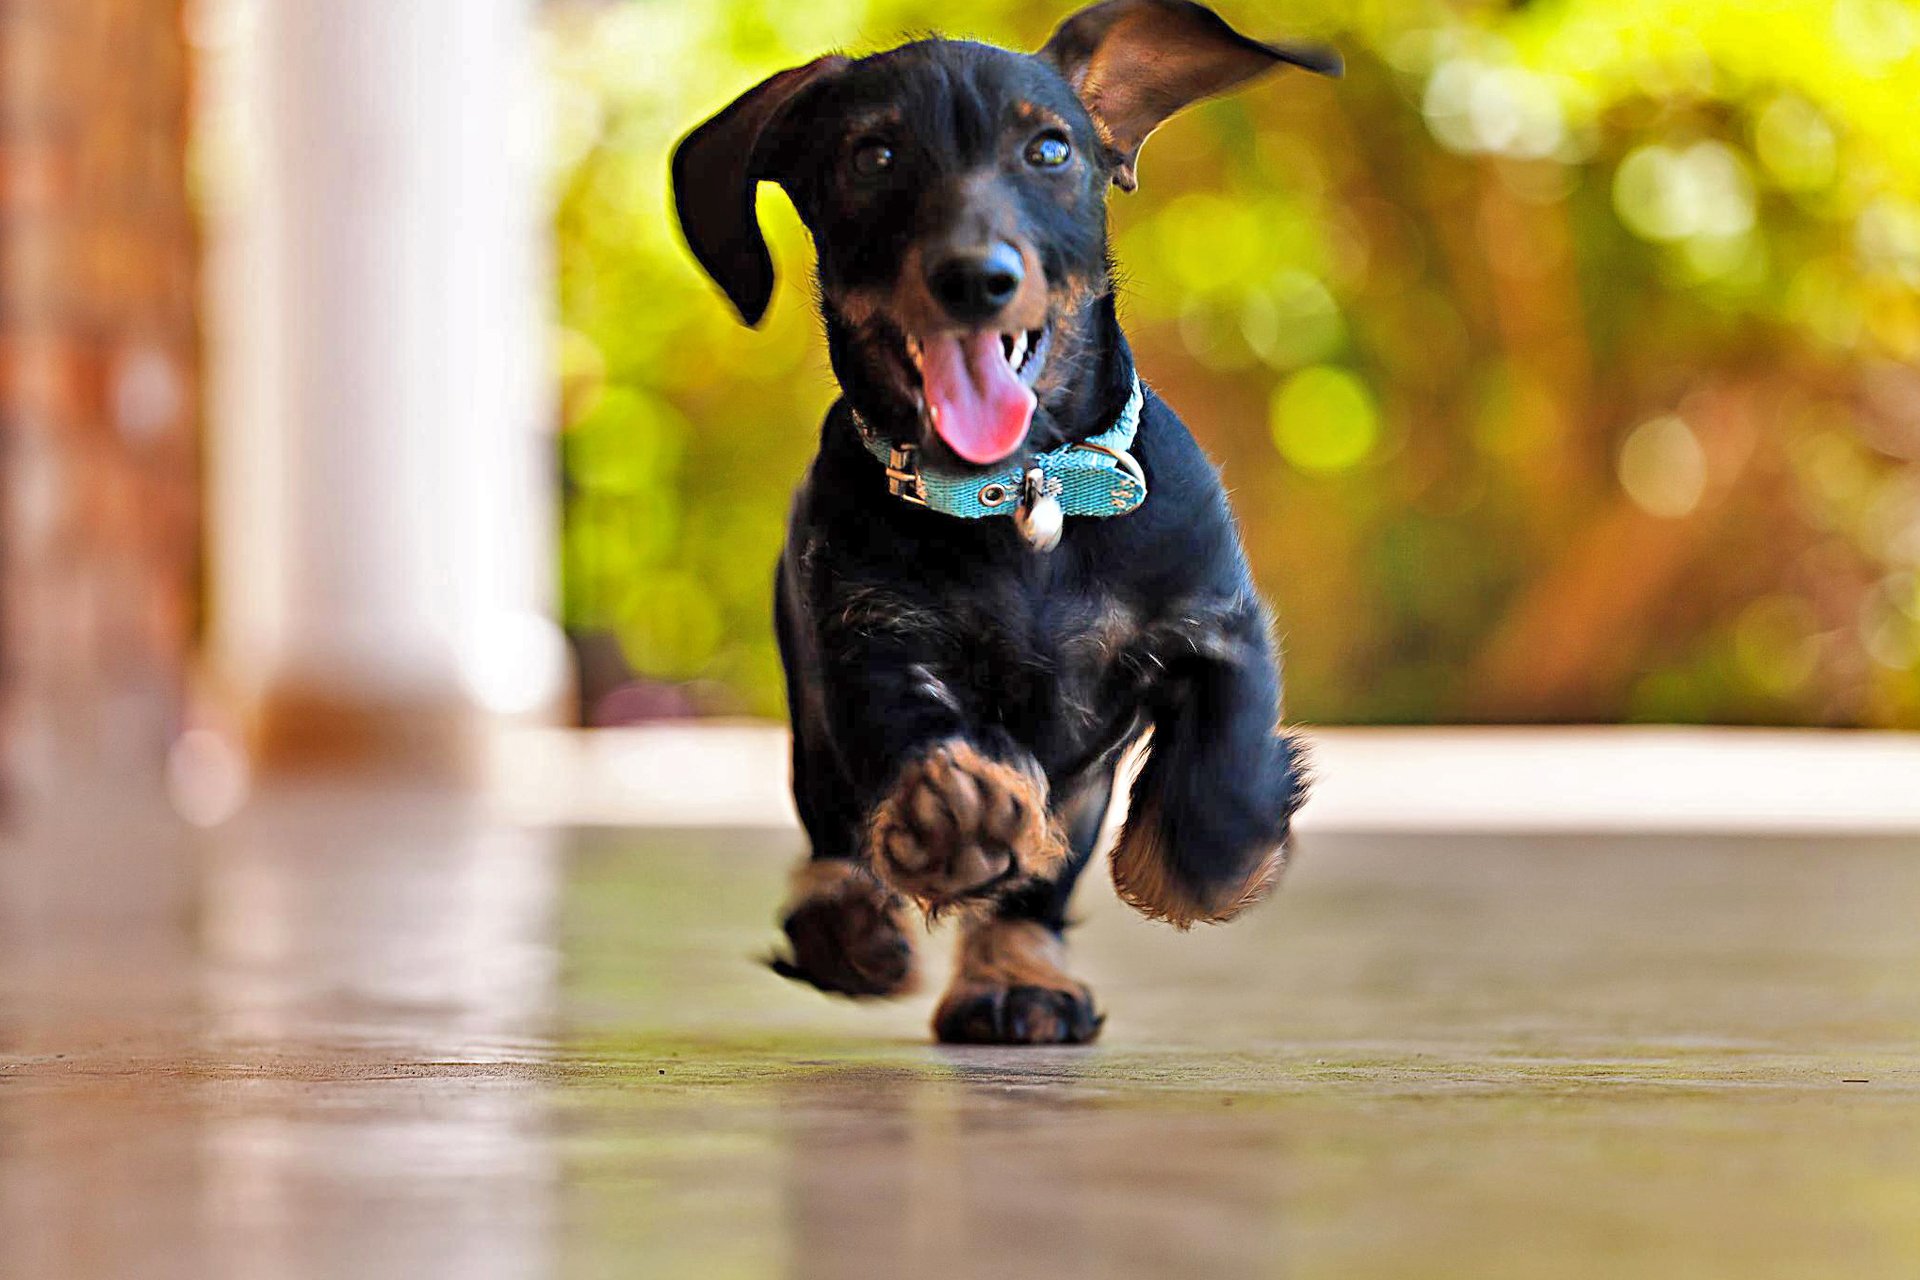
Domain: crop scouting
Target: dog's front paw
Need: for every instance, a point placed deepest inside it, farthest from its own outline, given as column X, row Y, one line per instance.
column 1009, row 988
column 959, row 825
column 849, row 933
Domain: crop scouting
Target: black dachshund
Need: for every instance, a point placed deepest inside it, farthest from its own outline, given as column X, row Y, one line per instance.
column 1009, row 560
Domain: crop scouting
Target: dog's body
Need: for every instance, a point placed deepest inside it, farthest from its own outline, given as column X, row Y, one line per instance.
column 960, row 697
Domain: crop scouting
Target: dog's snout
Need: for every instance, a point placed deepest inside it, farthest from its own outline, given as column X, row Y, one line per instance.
column 974, row 287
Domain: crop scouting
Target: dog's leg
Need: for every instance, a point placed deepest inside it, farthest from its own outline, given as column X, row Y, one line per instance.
column 959, row 822
column 1009, row 984
column 949, row 808
column 1207, row 829
column 847, row 933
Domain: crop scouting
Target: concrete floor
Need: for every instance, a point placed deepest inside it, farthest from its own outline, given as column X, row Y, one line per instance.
column 378, row 1036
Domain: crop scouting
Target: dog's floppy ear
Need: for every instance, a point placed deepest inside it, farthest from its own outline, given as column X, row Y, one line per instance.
column 1136, row 62
column 716, row 171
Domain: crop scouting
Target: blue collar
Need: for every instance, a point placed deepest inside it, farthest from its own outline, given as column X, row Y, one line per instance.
column 1091, row 477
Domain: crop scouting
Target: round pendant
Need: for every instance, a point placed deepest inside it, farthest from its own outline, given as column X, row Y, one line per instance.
column 1039, row 517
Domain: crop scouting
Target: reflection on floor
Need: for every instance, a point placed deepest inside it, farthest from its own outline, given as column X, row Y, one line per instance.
column 377, row 1036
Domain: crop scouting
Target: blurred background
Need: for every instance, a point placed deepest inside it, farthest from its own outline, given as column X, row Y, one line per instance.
column 358, row 391
column 1560, row 359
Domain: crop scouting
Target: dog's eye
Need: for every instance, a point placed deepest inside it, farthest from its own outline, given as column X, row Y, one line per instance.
column 1048, row 151
column 871, row 159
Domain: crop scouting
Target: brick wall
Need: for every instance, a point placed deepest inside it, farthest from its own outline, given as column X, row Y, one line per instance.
column 99, row 471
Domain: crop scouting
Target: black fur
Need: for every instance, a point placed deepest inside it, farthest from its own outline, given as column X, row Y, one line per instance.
column 901, row 627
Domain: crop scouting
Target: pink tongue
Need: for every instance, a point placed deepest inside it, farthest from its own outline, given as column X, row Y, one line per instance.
column 980, row 407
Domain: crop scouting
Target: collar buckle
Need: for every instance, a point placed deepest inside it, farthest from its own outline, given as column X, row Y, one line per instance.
column 903, row 474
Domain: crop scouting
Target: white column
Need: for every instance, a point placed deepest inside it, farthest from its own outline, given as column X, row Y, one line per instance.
column 384, row 519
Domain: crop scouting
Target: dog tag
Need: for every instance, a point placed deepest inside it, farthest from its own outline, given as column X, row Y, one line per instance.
column 1038, row 518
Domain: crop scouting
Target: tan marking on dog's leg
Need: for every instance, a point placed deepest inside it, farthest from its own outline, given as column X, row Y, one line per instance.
column 850, row 934
column 957, row 822
column 1141, row 878
column 822, row 878
column 1010, row 986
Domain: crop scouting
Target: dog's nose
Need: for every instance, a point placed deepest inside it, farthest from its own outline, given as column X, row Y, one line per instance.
column 974, row 286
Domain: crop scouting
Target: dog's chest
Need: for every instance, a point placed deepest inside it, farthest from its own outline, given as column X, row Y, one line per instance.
column 1055, row 666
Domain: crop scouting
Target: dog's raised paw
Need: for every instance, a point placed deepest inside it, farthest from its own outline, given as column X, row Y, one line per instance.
column 960, row 825
column 848, row 932
column 1009, row 988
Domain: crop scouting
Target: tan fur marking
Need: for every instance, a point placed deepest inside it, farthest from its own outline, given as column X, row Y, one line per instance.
column 956, row 821
column 1140, row 877
column 858, row 307
column 839, row 882
column 911, row 306
column 1012, row 953
column 1032, row 305
column 823, row 878
column 1000, row 955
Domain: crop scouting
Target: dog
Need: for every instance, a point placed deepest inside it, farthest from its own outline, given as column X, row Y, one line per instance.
column 1009, row 560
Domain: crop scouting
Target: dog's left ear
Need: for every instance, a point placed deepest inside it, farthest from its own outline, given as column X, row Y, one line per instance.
column 718, row 168
column 1136, row 62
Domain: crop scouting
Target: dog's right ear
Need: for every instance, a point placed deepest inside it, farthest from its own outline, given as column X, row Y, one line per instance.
column 716, row 171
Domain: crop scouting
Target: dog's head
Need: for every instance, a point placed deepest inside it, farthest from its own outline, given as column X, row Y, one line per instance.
column 956, row 193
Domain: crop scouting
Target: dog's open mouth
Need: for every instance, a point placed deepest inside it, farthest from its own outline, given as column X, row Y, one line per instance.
column 978, row 388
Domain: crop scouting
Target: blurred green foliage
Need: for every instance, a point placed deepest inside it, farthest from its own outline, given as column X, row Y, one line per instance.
column 1561, row 359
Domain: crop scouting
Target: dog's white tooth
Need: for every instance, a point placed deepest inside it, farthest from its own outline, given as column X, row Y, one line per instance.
column 1030, row 368
column 1018, row 353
